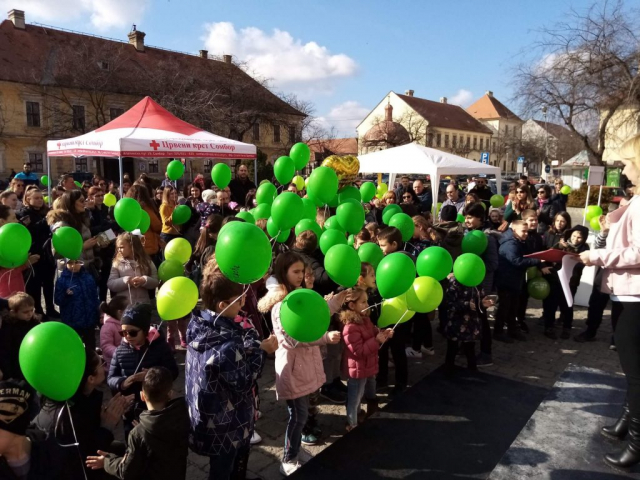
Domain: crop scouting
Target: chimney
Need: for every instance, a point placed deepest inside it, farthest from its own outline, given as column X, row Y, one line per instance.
column 388, row 113
column 227, row 59
column 489, row 93
column 204, row 53
column 17, row 18
column 136, row 38
column 409, row 93
column 443, row 99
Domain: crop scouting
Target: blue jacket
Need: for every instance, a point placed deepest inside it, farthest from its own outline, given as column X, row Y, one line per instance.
column 223, row 362
column 512, row 265
column 28, row 178
column 80, row 310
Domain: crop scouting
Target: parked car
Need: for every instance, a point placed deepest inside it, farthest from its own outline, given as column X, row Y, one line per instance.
column 504, row 187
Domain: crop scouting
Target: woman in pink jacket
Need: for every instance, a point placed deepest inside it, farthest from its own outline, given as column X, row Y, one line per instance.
column 110, row 337
column 620, row 260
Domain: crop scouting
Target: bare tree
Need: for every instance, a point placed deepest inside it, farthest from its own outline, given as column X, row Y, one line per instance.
column 585, row 71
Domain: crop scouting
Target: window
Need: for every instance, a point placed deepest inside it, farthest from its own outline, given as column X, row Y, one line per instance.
column 276, row 133
column 438, row 140
column 292, row 134
column 115, row 112
column 81, row 162
column 35, row 159
column 475, row 143
column 506, row 130
column 33, row 114
column 455, row 140
column 208, row 163
column 78, row 121
column 468, row 141
column 493, row 148
column 256, row 132
column 153, row 166
column 430, row 139
column 446, row 141
column 481, row 143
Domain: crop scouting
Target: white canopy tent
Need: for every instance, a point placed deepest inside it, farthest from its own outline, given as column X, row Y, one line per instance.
column 414, row 158
column 148, row 130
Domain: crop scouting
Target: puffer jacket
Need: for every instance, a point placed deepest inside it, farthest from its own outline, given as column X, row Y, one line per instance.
column 80, row 309
column 361, row 347
column 491, row 260
column 120, row 275
column 110, row 339
column 223, row 361
column 512, row 264
column 299, row 369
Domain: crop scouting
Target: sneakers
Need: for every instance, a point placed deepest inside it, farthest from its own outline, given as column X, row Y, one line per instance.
column 583, row 337
column 566, row 333
column 613, row 347
column 550, row 333
column 288, row 468
column 309, row 439
column 255, row 438
column 333, row 395
column 411, row 353
column 484, row 360
column 428, row 351
column 502, row 337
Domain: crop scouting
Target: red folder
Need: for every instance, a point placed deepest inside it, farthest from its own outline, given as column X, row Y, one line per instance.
column 551, row 255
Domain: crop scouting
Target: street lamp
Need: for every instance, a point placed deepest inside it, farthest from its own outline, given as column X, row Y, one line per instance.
column 543, row 173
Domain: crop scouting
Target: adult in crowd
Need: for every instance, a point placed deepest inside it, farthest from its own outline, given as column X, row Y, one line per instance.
column 482, row 190
column 27, row 176
column 241, row 185
column 141, row 194
column 405, row 185
column 169, row 202
column 223, row 204
column 620, row 261
column 453, row 198
column 10, row 199
column 207, row 207
column 126, row 184
column 523, row 201
column 67, row 182
column 192, row 196
column 425, row 197
column 524, row 182
column 40, row 279
column 409, row 203
column 559, row 198
column 101, row 221
column 17, row 187
column 546, row 209
column 96, row 179
column 85, row 187
column 167, row 182
column 158, row 196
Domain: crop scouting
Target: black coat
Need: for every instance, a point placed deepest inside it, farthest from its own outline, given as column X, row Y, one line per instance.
column 12, row 333
column 46, row 459
column 239, row 190
column 512, row 265
column 322, row 283
column 36, row 223
column 546, row 215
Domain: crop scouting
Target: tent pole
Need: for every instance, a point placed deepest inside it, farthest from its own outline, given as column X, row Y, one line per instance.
column 49, row 177
column 600, row 195
column 586, row 204
column 121, row 174
column 255, row 171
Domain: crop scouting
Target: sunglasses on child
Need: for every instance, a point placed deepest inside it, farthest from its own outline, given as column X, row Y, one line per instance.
column 129, row 333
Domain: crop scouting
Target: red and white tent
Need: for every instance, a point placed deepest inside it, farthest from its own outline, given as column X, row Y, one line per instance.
column 149, row 130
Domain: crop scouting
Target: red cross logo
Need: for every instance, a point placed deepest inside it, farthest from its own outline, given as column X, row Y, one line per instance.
column 154, row 144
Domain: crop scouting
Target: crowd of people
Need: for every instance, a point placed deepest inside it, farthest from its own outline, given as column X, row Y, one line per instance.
column 107, row 297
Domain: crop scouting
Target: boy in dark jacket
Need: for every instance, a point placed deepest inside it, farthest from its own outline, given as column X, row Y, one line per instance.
column 534, row 243
column 15, row 326
column 76, row 294
column 512, row 266
column 451, row 231
column 157, row 447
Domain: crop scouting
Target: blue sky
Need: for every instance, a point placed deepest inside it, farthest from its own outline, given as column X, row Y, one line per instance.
column 344, row 56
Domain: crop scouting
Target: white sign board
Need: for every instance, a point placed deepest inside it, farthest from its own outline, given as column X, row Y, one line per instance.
column 596, row 176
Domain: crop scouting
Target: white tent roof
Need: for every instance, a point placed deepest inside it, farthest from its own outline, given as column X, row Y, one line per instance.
column 581, row 160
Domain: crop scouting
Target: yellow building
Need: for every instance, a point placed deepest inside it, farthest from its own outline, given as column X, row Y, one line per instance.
column 58, row 84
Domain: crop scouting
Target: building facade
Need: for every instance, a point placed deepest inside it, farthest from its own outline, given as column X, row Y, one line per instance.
column 546, row 139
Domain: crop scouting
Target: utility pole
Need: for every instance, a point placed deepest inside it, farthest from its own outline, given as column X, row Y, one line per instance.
column 543, row 173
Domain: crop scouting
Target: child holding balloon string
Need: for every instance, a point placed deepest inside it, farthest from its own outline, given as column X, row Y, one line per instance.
column 11, row 279
column 133, row 273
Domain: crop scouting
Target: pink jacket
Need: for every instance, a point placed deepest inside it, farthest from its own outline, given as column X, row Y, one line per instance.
column 11, row 280
column 621, row 257
column 110, row 339
column 361, row 350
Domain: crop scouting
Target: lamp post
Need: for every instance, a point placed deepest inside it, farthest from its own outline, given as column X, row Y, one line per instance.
column 543, row 173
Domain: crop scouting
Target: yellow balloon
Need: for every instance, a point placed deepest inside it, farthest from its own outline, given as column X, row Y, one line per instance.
column 299, row 181
column 176, row 298
column 110, row 200
column 178, row 249
column 425, row 295
column 393, row 311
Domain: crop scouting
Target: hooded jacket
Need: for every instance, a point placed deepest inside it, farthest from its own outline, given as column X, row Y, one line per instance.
column 110, row 339
column 12, row 333
column 223, row 362
column 157, row 447
column 452, row 235
column 361, row 346
column 81, row 309
column 511, row 263
column 120, row 275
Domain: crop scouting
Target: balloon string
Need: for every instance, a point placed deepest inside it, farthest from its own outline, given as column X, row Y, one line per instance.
column 264, row 319
column 237, row 299
column 75, row 436
column 371, row 306
column 145, row 352
column 394, row 327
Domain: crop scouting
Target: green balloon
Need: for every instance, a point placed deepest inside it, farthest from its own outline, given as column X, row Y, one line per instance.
column 177, row 298
column 44, row 180
column 145, row 222
column 306, row 224
column 349, row 192
column 533, row 272
column 404, row 223
column 497, row 201
column 262, row 211
column 243, row 252
column 469, row 270
column 332, row 223
column 323, row 184
column 434, row 262
column 169, row 269
column 460, row 218
column 246, row 216
column 175, row 170
column 343, row 265
column 350, row 215
column 394, row 310
column 67, row 242
column 284, row 169
column 595, row 223
column 330, row 238
column 351, row 240
column 425, row 295
column 221, row 175
column 305, row 315
column 538, row 288
column 395, row 274
column 333, row 203
column 300, row 154
column 389, row 211
column 181, row 215
column 52, row 359
column 593, row 211
column 127, row 213
column 77, row 184
column 565, row 190
column 474, row 241
column 266, row 193
column 310, row 211
column 179, row 249
column 367, row 191
column 370, row 253
column 15, row 242
column 274, row 231
column 287, row 210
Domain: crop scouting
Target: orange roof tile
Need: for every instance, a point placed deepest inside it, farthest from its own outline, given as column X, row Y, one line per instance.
column 489, row 107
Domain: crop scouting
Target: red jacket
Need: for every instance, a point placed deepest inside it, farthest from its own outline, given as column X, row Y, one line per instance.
column 361, row 350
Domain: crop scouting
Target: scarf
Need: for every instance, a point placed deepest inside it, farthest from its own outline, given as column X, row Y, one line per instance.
column 542, row 203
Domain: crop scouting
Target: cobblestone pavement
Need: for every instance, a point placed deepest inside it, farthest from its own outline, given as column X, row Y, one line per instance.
column 538, row 361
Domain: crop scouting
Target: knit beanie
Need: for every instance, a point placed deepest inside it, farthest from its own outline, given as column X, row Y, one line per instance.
column 18, row 406
column 449, row 213
column 137, row 315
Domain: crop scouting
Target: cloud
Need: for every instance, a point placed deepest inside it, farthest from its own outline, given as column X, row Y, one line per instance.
column 344, row 117
column 463, row 98
column 103, row 14
column 279, row 57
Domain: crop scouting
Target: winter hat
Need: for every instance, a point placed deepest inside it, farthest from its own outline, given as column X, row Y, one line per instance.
column 207, row 195
column 578, row 228
column 18, row 406
column 449, row 213
column 137, row 315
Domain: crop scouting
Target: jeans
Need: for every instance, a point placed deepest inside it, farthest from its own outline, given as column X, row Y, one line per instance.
column 298, row 413
column 550, row 304
column 421, row 335
column 41, row 280
column 356, row 388
column 507, row 311
column 452, row 350
column 221, row 466
column 627, row 337
column 399, row 354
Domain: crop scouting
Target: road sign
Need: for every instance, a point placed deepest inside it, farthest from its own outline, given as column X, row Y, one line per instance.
column 520, row 159
column 484, row 157
column 547, row 168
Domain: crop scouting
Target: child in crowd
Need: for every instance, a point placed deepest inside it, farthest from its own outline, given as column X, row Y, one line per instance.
column 135, row 355
column 76, row 293
column 362, row 341
column 422, row 238
column 223, row 361
column 133, row 274
column 495, row 219
column 11, row 279
column 363, row 236
column 110, row 338
column 554, row 237
column 533, row 244
column 15, row 325
column 309, row 372
column 205, row 247
column 451, row 231
column 169, row 202
column 373, row 229
column 158, row 446
column 390, row 240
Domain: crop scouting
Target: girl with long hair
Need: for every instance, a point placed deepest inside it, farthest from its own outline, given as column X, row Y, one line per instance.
column 169, row 203
column 140, row 193
column 133, row 274
column 523, row 201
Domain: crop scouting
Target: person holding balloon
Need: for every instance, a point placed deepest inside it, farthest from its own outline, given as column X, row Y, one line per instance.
column 169, row 203
column 14, row 326
column 142, row 195
column 13, row 261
